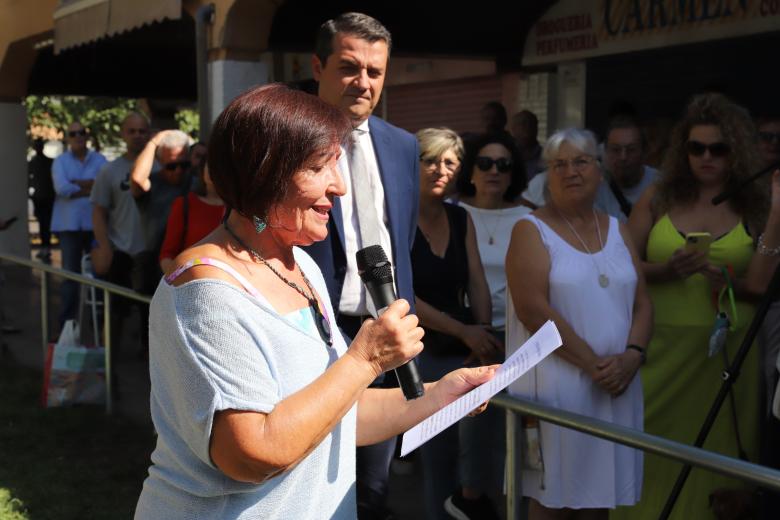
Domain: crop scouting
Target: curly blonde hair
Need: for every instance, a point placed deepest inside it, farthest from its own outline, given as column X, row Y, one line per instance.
column 679, row 186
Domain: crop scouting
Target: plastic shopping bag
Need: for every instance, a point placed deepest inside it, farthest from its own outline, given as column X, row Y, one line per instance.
column 73, row 373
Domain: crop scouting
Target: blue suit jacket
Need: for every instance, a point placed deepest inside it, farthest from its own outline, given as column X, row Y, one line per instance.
column 397, row 155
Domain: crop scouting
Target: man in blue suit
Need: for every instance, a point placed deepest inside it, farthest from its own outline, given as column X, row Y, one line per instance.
column 381, row 170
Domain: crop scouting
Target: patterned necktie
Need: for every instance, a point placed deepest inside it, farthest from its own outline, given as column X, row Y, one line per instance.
column 362, row 196
column 363, row 201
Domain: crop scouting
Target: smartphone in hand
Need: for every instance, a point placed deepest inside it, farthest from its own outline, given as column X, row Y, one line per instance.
column 698, row 241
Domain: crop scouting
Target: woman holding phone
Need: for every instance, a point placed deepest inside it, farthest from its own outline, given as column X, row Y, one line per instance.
column 692, row 252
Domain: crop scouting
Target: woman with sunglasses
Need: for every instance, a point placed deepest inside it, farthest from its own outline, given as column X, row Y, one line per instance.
column 494, row 174
column 576, row 266
column 192, row 217
column 447, row 273
column 257, row 401
column 712, row 149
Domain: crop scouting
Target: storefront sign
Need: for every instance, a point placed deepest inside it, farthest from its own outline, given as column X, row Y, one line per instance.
column 573, row 30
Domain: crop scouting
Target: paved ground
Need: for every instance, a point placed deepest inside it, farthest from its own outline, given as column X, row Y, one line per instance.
column 20, row 301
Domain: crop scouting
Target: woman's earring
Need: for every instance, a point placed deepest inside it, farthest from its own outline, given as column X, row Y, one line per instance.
column 259, row 223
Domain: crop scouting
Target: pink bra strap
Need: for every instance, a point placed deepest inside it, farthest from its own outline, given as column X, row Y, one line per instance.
column 219, row 264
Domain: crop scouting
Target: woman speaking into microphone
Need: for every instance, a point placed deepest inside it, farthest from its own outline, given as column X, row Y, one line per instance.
column 257, row 400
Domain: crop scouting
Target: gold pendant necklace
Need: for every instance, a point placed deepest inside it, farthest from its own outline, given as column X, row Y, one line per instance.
column 491, row 233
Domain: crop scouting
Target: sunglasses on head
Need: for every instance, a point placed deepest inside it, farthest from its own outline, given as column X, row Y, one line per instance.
column 74, row 133
column 697, row 149
column 768, row 137
column 171, row 166
column 503, row 164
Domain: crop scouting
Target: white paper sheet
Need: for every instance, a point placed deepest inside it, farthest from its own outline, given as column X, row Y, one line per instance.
column 538, row 346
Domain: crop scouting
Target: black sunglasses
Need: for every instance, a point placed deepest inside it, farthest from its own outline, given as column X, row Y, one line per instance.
column 171, row 166
column 74, row 133
column 486, row 163
column 768, row 137
column 697, row 149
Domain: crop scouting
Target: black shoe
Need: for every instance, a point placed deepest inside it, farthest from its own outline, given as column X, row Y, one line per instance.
column 462, row 509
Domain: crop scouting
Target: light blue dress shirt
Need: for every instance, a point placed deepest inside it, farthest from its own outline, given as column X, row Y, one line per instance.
column 73, row 214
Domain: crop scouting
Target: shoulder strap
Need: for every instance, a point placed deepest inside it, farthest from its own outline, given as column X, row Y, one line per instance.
column 625, row 205
column 219, row 264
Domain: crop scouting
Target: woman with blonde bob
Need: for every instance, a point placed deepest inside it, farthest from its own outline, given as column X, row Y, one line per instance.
column 447, row 273
column 577, row 267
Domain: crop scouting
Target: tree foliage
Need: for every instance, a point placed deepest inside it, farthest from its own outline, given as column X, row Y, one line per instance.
column 101, row 116
column 188, row 120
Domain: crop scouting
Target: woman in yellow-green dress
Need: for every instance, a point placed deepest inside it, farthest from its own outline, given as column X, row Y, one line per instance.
column 712, row 149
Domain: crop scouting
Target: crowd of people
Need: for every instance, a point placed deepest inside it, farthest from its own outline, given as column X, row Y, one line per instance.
column 122, row 220
column 268, row 358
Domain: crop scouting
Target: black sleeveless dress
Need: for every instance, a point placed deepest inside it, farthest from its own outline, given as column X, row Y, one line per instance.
column 442, row 282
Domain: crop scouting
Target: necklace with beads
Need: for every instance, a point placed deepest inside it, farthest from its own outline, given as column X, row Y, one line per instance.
column 603, row 278
column 320, row 320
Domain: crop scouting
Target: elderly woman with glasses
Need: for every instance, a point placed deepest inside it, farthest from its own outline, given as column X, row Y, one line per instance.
column 573, row 265
column 701, row 260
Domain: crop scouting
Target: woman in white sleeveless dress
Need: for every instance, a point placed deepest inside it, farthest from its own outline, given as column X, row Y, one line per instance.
column 570, row 264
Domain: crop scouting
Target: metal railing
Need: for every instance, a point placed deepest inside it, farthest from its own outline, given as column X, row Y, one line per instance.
column 760, row 475
column 108, row 290
column 747, row 471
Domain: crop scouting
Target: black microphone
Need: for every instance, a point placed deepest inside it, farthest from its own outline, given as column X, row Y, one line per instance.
column 727, row 194
column 377, row 274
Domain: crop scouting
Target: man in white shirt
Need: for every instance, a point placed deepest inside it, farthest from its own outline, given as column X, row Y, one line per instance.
column 381, row 171
column 626, row 177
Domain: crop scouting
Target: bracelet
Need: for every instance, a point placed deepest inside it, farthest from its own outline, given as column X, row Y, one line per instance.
column 642, row 353
column 762, row 248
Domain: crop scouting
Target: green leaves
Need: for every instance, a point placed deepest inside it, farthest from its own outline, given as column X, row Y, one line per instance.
column 101, row 116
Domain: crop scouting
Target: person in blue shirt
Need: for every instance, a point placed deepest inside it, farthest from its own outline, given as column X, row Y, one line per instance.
column 73, row 173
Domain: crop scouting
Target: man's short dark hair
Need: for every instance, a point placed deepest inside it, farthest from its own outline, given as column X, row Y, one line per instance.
column 498, row 117
column 263, row 137
column 530, row 116
column 626, row 121
column 355, row 24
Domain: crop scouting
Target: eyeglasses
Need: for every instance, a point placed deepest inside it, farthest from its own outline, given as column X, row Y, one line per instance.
column 697, row 149
column 448, row 164
column 578, row 164
column 768, row 137
column 503, row 164
column 74, row 133
column 171, row 166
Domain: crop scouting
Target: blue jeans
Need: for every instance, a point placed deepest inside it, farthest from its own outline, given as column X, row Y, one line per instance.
column 73, row 245
column 467, row 454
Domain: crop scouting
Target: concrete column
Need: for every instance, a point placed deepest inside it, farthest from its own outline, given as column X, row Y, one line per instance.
column 229, row 78
column 571, row 94
column 13, row 178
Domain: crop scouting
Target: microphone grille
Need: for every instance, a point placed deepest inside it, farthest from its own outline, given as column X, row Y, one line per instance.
column 370, row 256
column 372, row 263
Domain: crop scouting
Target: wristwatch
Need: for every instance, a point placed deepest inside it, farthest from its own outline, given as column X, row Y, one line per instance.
column 642, row 353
